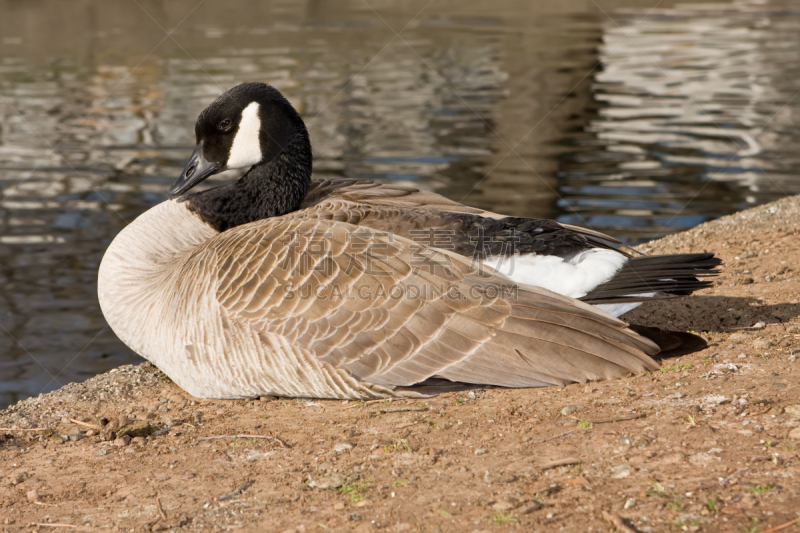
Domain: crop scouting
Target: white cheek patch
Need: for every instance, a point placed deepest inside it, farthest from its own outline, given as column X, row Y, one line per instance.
column 246, row 148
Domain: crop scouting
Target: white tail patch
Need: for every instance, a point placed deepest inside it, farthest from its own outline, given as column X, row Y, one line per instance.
column 618, row 310
column 246, row 148
column 574, row 277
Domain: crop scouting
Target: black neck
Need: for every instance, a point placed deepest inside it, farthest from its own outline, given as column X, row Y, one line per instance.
column 268, row 189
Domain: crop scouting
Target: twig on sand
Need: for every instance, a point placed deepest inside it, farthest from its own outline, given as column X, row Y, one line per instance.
column 399, row 410
column 160, row 508
column 723, row 482
column 618, row 523
column 388, row 400
column 561, row 462
column 53, row 525
column 555, row 518
column 84, row 424
column 265, row 437
column 236, row 492
column 23, row 429
column 782, row 526
column 618, row 418
column 553, row 437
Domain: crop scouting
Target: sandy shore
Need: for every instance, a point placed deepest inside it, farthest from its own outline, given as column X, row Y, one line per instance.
column 711, row 443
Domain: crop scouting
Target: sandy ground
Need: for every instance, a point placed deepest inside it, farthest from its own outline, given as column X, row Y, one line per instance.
column 710, row 443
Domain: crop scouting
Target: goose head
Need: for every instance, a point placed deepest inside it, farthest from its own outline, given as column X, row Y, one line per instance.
column 249, row 125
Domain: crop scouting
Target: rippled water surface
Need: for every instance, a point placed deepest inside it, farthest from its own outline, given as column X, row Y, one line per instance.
column 634, row 118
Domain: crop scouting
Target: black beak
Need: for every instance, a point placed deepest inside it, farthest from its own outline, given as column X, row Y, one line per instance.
column 197, row 169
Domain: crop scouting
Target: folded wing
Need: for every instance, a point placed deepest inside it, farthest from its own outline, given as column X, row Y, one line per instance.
column 393, row 312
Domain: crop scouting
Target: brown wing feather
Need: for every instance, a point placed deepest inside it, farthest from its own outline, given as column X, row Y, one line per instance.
column 291, row 277
column 358, row 191
column 410, row 212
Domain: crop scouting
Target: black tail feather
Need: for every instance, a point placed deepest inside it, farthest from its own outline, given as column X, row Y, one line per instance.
column 666, row 275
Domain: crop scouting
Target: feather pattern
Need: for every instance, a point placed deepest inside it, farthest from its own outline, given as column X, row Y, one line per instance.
column 570, row 260
column 318, row 307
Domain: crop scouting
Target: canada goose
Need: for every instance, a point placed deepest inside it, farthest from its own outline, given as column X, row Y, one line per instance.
column 276, row 285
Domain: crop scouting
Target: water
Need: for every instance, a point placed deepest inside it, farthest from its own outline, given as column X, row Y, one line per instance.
column 633, row 120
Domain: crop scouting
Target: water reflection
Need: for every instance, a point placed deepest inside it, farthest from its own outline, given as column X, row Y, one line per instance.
column 637, row 122
column 693, row 95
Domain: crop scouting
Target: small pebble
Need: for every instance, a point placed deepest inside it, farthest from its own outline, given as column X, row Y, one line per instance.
column 759, row 325
column 498, row 477
column 480, row 451
column 741, row 356
column 341, row 447
column 569, row 409
column 630, row 503
column 673, row 457
column 621, row 471
column 122, row 441
column 762, row 345
column 793, row 411
column 505, row 504
column 533, row 506
column 76, row 436
column 32, row 495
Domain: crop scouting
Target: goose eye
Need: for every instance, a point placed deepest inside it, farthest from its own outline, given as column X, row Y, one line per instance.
column 224, row 125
